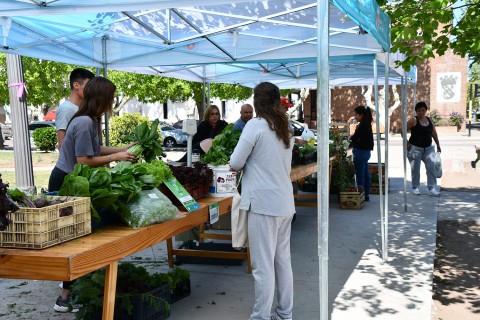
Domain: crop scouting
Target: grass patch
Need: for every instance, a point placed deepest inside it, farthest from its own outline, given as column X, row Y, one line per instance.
column 39, row 159
column 40, row 178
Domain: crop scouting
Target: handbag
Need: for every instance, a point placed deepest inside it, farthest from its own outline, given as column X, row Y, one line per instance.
column 239, row 220
column 438, row 165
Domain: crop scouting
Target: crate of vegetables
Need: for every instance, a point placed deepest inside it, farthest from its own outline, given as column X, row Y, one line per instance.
column 45, row 221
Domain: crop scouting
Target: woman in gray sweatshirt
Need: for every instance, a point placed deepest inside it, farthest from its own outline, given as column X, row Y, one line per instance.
column 264, row 153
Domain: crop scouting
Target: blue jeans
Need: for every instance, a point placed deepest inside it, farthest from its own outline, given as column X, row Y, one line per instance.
column 360, row 160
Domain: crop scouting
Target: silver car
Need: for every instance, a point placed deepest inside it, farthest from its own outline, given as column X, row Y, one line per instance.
column 6, row 131
column 172, row 137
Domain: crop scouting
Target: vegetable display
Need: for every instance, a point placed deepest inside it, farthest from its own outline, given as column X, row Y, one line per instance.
column 113, row 188
column 149, row 146
column 222, row 146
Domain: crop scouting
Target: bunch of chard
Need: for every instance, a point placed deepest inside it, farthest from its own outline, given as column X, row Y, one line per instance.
column 148, row 147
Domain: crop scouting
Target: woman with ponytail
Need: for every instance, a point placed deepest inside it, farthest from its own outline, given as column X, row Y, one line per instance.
column 264, row 153
column 362, row 141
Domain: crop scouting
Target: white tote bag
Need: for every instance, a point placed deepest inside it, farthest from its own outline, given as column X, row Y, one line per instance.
column 239, row 220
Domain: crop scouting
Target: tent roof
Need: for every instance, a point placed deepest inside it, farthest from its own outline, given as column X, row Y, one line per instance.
column 276, row 38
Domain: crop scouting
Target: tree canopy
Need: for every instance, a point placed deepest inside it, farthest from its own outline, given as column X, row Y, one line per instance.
column 423, row 29
column 48, row 82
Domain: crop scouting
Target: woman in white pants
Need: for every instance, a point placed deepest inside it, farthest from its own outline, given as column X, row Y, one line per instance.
column 264, row 153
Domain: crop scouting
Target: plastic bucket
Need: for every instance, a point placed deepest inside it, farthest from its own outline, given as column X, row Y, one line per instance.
column 223, row 182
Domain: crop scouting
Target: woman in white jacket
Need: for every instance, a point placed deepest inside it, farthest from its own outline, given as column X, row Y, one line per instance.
column 264, row 153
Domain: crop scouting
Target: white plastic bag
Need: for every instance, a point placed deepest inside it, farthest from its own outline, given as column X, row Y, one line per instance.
column 438, row 165
column 307, row 134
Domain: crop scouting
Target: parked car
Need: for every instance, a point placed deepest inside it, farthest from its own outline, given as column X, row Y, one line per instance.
column 172, row 137
column 298, row 128
column 6, row 131
column 179, row 124
column 38, row 124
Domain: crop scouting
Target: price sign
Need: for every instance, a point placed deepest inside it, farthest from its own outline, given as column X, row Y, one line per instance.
column 214, row 214
column 182, row 195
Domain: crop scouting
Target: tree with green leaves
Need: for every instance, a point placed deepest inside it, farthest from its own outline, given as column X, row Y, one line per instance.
column 48, row 82
column 423, row 29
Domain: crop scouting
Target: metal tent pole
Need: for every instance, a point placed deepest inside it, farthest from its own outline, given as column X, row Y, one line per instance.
column 387, row 134
column 404, row 141
column 22, row 154
column 104, row 63
column 379, row 149
column 323, row 107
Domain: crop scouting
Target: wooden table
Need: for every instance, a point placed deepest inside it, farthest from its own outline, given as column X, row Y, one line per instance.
column 298, row 171
column 104, row 248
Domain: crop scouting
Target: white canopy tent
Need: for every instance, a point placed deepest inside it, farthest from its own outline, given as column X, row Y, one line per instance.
column 233, row 42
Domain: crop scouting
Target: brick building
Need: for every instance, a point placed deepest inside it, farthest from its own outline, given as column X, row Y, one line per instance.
column 441, row 83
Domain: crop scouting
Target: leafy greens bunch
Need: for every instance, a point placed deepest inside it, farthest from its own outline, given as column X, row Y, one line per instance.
column 222, row 146
column 148, row 138
column 115, row 187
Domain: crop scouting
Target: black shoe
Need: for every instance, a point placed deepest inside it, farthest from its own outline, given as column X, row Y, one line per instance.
column 474, row 164
column 65, row 305
column 367, row 198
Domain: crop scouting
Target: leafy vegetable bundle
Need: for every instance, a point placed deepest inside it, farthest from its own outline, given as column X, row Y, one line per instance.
column 113, row 188
column 148, row 138
column 222, row 146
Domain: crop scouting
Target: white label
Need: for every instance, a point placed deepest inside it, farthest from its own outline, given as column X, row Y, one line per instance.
column 213, row 211
column 152, row 196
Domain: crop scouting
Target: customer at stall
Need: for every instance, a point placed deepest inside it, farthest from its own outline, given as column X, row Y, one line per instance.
column 420, row 148
column 246, row 114
column 65, row 111
column 209, row 128
column 264, row 153
column 362, row 141
column 82, row 145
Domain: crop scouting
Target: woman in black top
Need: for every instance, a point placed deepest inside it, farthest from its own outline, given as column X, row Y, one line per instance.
column 362, row 141
column 209, row 128
column 211, row 125
column 420, row 148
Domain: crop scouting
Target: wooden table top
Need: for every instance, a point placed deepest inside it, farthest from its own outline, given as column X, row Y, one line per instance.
column 72, row 259
column 75, row 258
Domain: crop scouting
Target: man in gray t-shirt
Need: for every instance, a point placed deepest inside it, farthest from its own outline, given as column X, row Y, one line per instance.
column 78, row 79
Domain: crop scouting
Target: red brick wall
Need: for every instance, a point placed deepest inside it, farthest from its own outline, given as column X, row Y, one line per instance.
column 344, row 99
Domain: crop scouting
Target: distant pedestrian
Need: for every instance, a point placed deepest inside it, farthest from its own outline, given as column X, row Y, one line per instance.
column 362, row 141
column 420, row 148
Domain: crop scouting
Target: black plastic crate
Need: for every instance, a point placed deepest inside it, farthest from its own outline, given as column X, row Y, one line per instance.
column 181, row 291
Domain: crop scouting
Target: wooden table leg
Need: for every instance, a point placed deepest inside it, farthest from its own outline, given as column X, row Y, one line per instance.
column 109, row 293
column 249, row 261
column 170, row 252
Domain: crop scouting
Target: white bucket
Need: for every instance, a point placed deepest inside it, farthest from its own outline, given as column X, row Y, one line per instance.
column 224, row 181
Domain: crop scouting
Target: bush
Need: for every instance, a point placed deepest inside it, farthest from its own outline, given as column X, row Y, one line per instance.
column 121, row 128
column 45, row 138
column 456, row 118
column 436, row 117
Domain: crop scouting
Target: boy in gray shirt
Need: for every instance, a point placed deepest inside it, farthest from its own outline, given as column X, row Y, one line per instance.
column 78, row 79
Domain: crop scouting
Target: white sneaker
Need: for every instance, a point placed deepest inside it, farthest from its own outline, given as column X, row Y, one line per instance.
column 434, row 193
column 416, row 191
